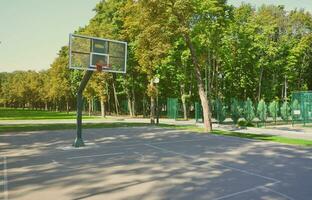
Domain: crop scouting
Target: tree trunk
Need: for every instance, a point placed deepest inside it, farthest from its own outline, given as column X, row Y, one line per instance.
column 90, row 106
column 183, row 99
column 108, row 99
column 200, row 85
column 67, row 106
column 152, row 111
column 133, row 102
column 46, row 106
column 260, row 84
column 116, row 99
column 102, row 107
column 130, row 107
column 184, row 108
column 129, row 104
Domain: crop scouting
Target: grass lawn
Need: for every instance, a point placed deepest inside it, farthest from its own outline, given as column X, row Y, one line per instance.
column 25, row 114
column 40, row 127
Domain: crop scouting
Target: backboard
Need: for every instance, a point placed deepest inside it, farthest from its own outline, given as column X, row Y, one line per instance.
column 85, row 53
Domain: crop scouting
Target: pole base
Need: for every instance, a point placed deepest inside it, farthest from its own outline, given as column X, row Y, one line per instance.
column 78, row 143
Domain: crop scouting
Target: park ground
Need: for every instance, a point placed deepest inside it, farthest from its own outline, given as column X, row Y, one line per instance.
column 128, row 159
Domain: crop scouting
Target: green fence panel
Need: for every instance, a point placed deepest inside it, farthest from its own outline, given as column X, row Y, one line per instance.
column 198, row 112
column 301, row 107
column 172, row 108
column 124, row 106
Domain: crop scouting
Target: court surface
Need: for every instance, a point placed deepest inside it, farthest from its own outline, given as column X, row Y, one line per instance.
column 151, row 163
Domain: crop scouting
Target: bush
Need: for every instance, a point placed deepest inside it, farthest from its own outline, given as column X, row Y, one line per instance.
column 273, row 109
column 285, row 111
column 243, row 123
column 220, row 111
column 236, row 111
column 249, row 111
column 262, row 111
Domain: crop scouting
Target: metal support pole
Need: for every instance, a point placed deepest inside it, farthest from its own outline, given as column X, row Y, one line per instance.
column 79, row 141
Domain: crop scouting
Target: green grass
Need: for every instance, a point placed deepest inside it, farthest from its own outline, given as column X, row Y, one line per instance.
column 262, row 137
column 42, row 127
column 25, row 114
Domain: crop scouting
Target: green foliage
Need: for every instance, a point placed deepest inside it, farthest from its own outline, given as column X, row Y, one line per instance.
column 221, row 111
column 285, row 111
column 243, row 123
column 240, row 52
column 274, row 109
column 236, row 110
column 249, row 111
column 262, row 110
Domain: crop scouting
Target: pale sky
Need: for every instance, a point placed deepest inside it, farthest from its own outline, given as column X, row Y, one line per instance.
column 33, row 31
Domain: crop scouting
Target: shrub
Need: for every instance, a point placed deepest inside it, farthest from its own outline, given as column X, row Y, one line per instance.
column 220, row 111
column 273, row 109
column 243, row 123
column 249, row 111
column 285, row 111
column 236, row 111
column 262, row 111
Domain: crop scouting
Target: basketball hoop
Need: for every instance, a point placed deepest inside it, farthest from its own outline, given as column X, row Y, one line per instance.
column 99, row 67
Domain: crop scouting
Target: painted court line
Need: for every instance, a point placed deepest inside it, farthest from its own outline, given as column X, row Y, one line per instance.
column 97, row 155
column 275, row 181
column 279, row 193
column 5, row 179
column 130, row 145
column 238, row 193
column 233, row 168
column 139, row 154
column 250, row 173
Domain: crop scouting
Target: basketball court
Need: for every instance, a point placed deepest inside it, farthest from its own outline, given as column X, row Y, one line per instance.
column 151, row 163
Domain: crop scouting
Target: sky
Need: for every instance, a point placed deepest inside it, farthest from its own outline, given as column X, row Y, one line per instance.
column 33, row 31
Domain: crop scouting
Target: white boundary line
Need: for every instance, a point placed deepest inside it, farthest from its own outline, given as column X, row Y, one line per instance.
column 232, row 168
column 124, row 146
column 5, row 179
column 98, row 155
column 275, row 181
column 281, row 194
column 237, row 193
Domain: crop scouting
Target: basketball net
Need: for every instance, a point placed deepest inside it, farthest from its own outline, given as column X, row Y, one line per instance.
column 99, row 67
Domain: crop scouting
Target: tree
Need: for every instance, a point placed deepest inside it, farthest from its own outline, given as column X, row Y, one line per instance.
column 262, row 111
column 249, row 111
column 98, row 82
column 274, row 108
column 151, row 41
column 285, row 111
column 59, row 73
column 190, row 19
column 236, row 111
column 221, row 111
